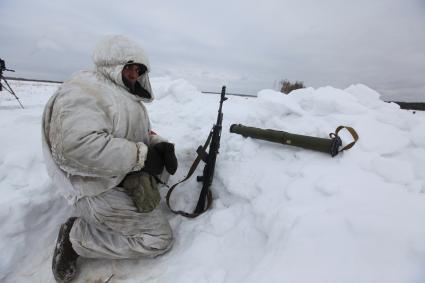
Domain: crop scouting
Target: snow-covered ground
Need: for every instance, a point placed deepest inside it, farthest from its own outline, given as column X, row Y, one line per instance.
column 281, row 214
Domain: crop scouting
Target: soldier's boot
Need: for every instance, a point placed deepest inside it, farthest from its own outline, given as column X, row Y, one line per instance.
column 64, row 263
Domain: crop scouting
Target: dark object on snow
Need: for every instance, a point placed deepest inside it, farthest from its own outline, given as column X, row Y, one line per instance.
column 64, row 262
column 7, row 86
column 2, row 65
column 330, row 146
column 205, row 197
column 410, row 105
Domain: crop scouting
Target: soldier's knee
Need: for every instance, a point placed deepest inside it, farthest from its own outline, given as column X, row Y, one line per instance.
column 163, row 242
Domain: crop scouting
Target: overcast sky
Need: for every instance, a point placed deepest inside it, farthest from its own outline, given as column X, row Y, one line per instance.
column 247, row 45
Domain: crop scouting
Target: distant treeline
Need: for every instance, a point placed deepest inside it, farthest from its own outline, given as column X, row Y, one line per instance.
column 403, row 105
column 411, row 105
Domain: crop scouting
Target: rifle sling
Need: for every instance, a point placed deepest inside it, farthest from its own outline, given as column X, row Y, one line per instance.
column 201, row 153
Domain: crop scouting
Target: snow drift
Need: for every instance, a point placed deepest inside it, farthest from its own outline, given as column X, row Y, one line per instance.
column 281, row 214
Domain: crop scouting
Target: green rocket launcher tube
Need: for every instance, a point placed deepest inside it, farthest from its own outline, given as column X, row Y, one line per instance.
column 330, row 146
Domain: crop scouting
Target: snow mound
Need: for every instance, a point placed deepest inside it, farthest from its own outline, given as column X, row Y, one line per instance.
column 280, row 213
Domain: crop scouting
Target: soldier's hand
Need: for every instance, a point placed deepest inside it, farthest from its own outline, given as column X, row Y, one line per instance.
column 166, row 150
column 154, row 163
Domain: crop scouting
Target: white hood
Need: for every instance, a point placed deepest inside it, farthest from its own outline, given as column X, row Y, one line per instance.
column 113, row 52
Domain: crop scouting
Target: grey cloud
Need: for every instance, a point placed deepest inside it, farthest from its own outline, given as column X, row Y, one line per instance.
column 248, row 45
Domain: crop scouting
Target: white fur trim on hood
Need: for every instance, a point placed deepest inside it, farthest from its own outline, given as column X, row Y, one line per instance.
column 118, row 50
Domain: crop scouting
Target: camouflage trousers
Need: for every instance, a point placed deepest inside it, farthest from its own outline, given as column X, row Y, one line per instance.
column 111, row 226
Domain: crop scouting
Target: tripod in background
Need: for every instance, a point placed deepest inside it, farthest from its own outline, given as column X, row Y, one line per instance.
column 6, row 84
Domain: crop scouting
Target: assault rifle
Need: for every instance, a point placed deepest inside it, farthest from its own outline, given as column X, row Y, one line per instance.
column 213, row 141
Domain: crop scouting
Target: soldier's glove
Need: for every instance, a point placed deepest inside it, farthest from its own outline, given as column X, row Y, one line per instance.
column 143, row 190
column 166, row 150
column 154, row 163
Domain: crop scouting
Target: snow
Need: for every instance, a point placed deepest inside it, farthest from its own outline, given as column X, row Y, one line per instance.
column 280, row 213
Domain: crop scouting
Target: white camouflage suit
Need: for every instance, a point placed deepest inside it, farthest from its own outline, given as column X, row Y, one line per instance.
column 94, row 133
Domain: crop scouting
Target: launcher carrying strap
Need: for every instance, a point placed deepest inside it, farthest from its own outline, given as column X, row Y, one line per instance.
column 335, row 137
